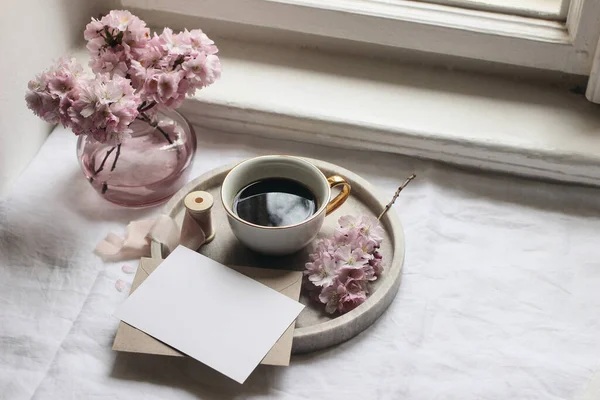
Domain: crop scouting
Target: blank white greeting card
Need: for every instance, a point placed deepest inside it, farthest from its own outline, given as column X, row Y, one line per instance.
column 210, row 312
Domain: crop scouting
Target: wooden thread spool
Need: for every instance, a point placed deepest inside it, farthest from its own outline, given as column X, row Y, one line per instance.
column 198, row 205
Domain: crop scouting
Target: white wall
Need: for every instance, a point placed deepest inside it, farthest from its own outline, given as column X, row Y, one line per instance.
column 32, row 35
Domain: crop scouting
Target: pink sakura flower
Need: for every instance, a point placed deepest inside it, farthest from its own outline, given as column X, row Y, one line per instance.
column 118, row 27
column 105, row 108
column 114, row 41
column 351, row 300
column 377, row 264
column 343, row 297
column 93, row 30
column 367, row 245
column 211, row 70
column 183, row 88
column 175, row 44
column 167, row 86
column 347, row 274
column 65, row 105
column 120, row 19
column 348, row 222
column 38, row 84
column 369, row 273
column 356, row 286
column 311, row 291
column 347, row 236
column 191, row 54
column 342, row 266
column 112, row 63
column 151, row 83
column 348, row 258
column 96, row 47
column 138, row 74
column 151, row 56
column 170, row 90
column 321, row 272
column 48, row 89
column 88, row 101
column 43, row 105
column 332, row 296
column 120, row 44
column 371, row 228
column 324, row 247
column 202, row 43
column 173, row 129
column 61, row 83
column 368, row 226
column 194, row 68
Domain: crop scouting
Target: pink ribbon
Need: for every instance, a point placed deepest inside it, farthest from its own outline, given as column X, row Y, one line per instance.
column 140, row 234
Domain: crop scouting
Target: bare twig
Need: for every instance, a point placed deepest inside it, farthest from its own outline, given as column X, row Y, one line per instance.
column 389, row 205
column 101, row 167
column 116, row 158
column 147, row 119
column 147, row 107
column 112, row 168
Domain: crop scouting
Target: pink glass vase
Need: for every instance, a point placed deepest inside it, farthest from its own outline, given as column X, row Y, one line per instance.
column 150, row 166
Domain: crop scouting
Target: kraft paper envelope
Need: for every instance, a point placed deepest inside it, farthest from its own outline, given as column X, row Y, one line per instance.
column 130, row 339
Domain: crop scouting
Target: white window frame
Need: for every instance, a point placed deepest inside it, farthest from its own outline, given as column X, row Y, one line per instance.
column 526, row 8
column 569, row 47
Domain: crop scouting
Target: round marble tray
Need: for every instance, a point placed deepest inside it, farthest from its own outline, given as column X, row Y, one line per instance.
column 314, row 328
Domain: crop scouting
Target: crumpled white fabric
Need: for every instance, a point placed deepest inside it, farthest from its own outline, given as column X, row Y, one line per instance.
column 500, row 297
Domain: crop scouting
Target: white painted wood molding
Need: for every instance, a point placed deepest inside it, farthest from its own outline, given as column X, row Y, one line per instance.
column 464, row 119
column 416, row 25
column 467, row 152
column 542, row 9
column 592, row 92
column 593, row 87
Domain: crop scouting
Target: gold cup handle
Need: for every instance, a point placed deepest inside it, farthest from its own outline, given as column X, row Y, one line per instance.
column 334, row 204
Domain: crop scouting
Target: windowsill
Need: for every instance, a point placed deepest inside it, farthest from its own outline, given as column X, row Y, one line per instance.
column 467, row 119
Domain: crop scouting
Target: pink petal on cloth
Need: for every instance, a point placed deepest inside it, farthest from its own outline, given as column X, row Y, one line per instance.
column 128, row 269
column 121, row 285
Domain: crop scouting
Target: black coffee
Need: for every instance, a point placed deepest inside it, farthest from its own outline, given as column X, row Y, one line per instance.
column 275, row 202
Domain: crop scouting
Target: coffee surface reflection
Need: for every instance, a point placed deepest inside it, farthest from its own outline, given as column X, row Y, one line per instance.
column 275, row 202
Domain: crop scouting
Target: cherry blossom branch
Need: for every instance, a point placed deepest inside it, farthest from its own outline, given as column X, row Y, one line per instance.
column 145, row 108
column 147, row 119
column 116, row 157
column 112, row 168
column 389, row 205
column 101, row 167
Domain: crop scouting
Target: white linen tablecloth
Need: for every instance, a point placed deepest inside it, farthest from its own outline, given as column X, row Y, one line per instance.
column 500, row 297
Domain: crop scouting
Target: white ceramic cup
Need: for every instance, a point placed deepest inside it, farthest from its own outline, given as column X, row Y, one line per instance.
column 281, row 239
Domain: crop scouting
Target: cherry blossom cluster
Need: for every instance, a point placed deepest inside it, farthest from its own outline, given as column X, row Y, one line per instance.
column 163, row 68
column 342, row 266
column 134, row 72
column 102, row 107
